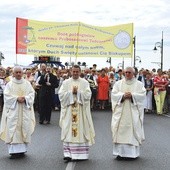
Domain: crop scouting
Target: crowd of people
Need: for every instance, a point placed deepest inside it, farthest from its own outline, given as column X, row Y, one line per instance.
column 101, row 82
column 76, row 92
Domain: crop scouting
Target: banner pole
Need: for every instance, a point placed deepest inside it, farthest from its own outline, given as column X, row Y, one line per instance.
column 16, row 60
column 16, row 35
column 78, row 31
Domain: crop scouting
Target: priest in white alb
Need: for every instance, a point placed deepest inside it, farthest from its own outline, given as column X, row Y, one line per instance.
column 127, row 98
column 77, row 131
column 18, row 119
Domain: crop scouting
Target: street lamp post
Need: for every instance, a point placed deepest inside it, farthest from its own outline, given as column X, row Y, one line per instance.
column 123, row 63
column 158, row 63
column 160, row 45
column 109, row 60
column 1, row 57
column 138, row 59
column 119, row 65
column 134, row 44
column 68, row 64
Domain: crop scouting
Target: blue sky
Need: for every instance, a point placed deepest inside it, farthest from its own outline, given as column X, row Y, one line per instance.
column 150, row 18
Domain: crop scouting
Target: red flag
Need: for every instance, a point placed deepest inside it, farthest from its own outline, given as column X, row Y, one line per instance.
column 21, row 35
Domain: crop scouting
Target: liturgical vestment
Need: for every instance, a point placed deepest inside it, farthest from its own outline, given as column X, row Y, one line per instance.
column 77, row 131
column 18, row 119
column 127, row 118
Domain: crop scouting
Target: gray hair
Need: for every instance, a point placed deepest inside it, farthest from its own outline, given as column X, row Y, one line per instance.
column 130, row 68
column 17, row 68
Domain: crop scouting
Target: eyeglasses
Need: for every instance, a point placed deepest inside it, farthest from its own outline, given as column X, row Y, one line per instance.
column 128, row 72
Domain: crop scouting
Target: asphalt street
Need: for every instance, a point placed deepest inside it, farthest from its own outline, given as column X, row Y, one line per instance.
column 45, row 151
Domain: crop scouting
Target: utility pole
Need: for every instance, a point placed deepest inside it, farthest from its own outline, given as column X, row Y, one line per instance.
column 134, row 45
column 1, row 57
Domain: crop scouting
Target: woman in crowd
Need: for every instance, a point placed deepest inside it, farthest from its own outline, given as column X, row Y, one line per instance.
column 103, row 88
column 149, row 87
column 112, row 81
column 160, row 83
column 56, row 98
column 29, row 76
column 93, row 87
column 168, row 92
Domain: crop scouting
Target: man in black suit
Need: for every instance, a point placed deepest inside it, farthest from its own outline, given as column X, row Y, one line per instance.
column 142, row 77
column 48, row 84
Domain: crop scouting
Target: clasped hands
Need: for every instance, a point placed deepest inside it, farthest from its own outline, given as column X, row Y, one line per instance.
column 127, row 95
column 75, row 88
column 47, row 77
column 48, row 84
column 21, row 99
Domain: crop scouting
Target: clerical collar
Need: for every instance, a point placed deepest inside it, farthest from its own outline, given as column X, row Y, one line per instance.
column 18, row 81
column 130, row 81
column 76, row 79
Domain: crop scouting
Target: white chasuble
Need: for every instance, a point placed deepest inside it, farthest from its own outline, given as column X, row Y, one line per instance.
column 127, row 116
column 18, row 119
column 75, row 116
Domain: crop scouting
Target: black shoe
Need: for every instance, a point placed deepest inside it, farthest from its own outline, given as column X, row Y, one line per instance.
column 119, row 158
column 13, row 156
column 67, row 159
column 125, row 158
column 22, row 154
column 41, row 122
column 46, row 122
column 17, row 155
column 79, row 160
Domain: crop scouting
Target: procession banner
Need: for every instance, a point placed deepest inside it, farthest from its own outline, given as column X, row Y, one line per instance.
column 73, row 39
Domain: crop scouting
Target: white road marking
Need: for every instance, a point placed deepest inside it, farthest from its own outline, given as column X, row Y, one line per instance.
column 71, row 165
column 167, row 115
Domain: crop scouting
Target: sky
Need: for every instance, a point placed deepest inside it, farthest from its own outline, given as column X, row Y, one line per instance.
column 150, row 19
